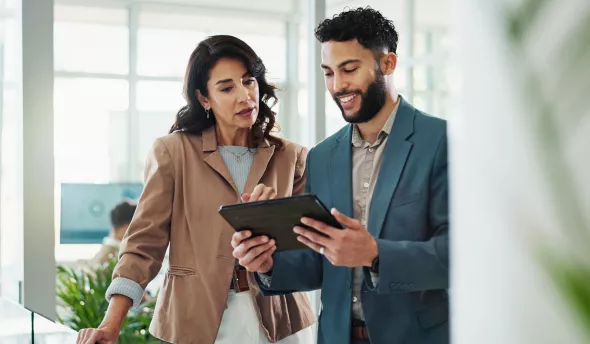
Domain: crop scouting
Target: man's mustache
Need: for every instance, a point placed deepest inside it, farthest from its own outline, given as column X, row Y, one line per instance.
column 345, row 92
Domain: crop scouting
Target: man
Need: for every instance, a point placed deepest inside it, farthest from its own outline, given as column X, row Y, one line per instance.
column 384, row 278
column 121, row 216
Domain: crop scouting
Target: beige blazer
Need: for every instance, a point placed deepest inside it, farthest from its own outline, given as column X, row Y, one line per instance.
column 186, row 181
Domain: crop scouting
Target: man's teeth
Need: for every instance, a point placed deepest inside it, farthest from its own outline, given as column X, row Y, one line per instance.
column 346, row 99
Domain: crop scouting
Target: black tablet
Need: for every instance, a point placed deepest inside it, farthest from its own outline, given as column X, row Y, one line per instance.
column 276, row 218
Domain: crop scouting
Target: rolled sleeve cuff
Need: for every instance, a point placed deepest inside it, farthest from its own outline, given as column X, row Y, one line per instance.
column 126, row 287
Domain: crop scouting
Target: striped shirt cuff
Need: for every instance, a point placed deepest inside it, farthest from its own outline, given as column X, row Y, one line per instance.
column 126, row 287
column 265, row 279
column 375, row 279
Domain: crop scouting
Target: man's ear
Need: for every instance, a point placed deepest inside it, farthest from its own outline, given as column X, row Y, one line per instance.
column 203, row 100
column 388, row 63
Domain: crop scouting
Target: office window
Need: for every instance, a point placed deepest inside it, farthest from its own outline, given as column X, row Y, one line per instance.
column 422, row 101
column 11, row 225
column 399, row 79
column 303, row 60
column 12, row 52
column 88, row 39
column 422, row 78
column 164, row 96
column 273, row 52
column 165, row 52
column 11, row 157
column 89, row 117
column 11, row 4
column 151, row 126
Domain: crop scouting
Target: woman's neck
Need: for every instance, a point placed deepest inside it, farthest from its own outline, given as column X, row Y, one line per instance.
column 233, row 137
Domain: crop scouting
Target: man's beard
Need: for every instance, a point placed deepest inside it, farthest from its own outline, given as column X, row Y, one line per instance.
column 371, row 101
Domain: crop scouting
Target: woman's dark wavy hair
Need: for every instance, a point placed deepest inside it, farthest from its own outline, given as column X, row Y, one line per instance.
column 192, row 118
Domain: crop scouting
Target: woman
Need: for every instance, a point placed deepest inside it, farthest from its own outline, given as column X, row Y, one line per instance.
column 219, row 149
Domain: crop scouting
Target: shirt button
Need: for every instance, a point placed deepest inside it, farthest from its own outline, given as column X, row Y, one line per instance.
column 371, row 150
column 354, row 299
column 366, row 185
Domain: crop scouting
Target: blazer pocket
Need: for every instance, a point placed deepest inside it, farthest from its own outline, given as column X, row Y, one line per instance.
column 434, row 315
column 405, row 199
column 180, row 271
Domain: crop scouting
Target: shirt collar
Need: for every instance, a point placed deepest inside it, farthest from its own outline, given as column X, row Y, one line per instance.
column 357, row 139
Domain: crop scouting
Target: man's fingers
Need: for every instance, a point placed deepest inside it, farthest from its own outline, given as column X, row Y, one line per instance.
column 311, row 236
column 345, row 220
column 311, row 244
column 245, row 197
column 319, row 225
column 238, row 237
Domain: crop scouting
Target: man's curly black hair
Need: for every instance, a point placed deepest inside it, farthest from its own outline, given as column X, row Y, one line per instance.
column 366, row 25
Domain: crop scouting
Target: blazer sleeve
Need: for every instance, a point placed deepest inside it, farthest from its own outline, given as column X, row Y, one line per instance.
column 409, row 266
column 146, row 240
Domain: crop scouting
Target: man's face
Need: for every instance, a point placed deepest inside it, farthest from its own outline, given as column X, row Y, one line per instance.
column 354, row 79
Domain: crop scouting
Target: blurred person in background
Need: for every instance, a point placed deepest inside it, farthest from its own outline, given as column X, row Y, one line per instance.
column 219, row 151
column 121, row 216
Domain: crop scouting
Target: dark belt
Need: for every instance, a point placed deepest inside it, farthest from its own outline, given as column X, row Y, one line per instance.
column 358, row 331
column 239, row 280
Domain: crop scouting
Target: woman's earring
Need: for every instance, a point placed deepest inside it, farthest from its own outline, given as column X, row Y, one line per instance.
column 208, row 112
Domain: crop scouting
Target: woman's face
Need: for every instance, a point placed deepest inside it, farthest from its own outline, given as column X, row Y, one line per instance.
column 233, row 94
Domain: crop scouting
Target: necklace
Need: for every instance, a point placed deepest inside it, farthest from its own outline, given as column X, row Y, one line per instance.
column 236, row 155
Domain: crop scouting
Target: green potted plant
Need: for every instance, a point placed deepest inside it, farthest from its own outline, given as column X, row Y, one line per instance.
column 82, row 303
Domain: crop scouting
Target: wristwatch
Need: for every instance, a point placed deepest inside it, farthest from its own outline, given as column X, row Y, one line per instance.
column 375, row 266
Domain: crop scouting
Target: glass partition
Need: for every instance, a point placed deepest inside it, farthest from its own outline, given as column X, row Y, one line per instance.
column 19, row 325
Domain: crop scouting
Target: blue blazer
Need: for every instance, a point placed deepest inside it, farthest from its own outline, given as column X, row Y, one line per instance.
column 408, row 217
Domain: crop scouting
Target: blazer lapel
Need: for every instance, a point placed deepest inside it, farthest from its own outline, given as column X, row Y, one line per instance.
column 340, row 172
column 259, row 164
column 394, row 159
column 214, row 159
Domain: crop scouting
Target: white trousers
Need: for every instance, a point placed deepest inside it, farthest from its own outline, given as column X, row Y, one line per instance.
column 240, row 324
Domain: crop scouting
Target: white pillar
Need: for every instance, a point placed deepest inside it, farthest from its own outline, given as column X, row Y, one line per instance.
column 504, row 205
column 317, row 88
column 409, row 28
column 290, row 97
column 135, row 162
column 38, row 160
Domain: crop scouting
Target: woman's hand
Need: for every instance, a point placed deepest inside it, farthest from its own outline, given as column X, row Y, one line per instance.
column 108, row 331
column 261, row 192
column 255, row 254
column 101, row 335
